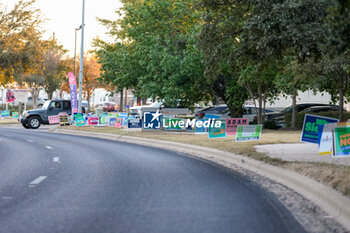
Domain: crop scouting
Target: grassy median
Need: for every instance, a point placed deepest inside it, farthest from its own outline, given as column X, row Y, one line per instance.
column 6, row 121
column 335, row 176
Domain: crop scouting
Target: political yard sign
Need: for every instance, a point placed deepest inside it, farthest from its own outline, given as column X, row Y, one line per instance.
column 342, row 141
column 172, row 124
column 217, row 132
column 63, row 119
column 112, row 121
column 78, row 115
column 15, row 114
column 152, row 120
column 5, row 113
column 80, row 121
column 93, row 121
column 199, row 128
column 134, row 123
column 310, row 132
column 325, row 139
column 119, row 122
column 103, row 120
column 233, row 123
column 248, row 133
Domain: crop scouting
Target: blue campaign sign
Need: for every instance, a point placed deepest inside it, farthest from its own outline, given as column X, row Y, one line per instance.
column 112, row 121
column 199, row 128
column 212, row 116
column 152, row 120
column 134, row 123
column 5, row 113
column 124, row 116
column 310, row 132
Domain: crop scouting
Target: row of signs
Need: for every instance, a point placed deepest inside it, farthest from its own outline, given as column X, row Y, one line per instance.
column 238, row 127
column 332, row 137
column 6, row 114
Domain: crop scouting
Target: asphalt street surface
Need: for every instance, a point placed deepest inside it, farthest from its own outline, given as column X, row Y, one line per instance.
column 61, row 183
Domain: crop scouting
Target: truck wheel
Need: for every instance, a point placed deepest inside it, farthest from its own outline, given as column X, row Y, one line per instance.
column 34, row 122
column 26, row 126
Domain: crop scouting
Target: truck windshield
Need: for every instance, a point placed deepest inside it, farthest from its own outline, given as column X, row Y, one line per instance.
column 46, row 104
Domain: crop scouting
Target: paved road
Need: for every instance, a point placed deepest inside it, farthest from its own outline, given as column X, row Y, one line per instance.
column 59, row 183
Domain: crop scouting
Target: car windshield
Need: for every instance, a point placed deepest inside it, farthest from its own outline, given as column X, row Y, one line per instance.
column 287, row 110
column 46, row 104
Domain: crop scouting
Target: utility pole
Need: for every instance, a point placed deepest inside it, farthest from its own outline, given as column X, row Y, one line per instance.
column 75, row 49
column 81, row 59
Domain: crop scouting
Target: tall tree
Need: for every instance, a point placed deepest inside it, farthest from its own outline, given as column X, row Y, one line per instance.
column 158, row 56
column 20, row 33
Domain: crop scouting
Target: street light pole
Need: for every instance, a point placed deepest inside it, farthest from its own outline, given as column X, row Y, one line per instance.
column 81, row 59
column 75, row 49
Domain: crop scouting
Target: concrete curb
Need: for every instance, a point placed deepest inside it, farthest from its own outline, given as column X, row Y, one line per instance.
column 331, row 201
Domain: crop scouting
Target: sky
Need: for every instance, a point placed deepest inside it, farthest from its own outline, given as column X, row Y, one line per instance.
column 63, row 16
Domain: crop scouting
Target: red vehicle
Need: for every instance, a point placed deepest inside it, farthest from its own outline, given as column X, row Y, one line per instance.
column 108, row 107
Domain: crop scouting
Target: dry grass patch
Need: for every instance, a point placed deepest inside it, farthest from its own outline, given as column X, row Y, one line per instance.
column 8, row 121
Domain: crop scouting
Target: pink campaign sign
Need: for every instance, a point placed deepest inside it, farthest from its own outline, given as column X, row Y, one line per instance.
column 54, row 119
column 93, row 120
column 232, row 123
column 118, row 123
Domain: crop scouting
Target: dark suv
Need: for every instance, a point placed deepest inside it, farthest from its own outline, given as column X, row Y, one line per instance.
column 34, row 118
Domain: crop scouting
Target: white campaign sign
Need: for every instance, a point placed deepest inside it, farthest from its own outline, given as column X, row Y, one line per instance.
column 21, row 95
column 326, row 141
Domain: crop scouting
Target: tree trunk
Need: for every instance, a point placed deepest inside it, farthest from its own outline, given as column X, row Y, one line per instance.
column 35, row 96
column 294, row 110
column 138, row 99
column 260, row 104
column 264, row 116
column 126, row 98
column 341, row 104
column 121, row 100
column 50, row 94
column 88, row 100
column 19, row 108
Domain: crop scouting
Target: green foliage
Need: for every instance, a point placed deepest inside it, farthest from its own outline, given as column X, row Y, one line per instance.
column 270, row 125
column 158, row 56
column 20, row 34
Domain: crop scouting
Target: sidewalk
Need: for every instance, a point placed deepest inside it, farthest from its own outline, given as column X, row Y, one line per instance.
column 300, row 152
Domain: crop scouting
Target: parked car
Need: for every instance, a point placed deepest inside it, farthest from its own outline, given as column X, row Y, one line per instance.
column 216, row 109
column 279, row 117
column 317, row 109
column 250, row 113
column 30, row 103
column 108, row 107
column 34, row 118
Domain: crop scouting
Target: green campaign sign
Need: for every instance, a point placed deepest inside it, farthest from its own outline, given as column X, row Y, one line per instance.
column 217, row 132
column 342, row 141
column 248, row 133
column 80, row 121
column 310, row 132
column 172, row 124
column 15, row 114
column 103, row 120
